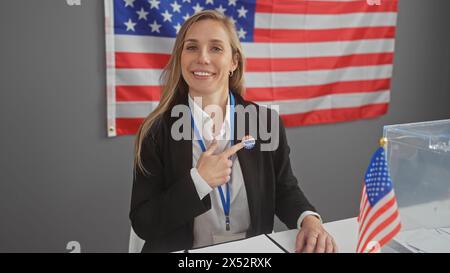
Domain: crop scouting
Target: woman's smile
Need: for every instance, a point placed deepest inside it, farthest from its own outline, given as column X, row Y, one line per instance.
column 203, row 75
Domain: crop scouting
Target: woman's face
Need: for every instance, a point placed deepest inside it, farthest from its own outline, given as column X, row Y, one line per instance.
column 206, row 59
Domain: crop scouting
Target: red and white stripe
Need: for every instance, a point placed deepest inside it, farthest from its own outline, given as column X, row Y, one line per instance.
column 378, row 224
column 321, row 61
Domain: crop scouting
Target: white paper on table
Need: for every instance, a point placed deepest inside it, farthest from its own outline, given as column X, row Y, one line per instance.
column 257, row 244
column 286, row 239
column 403, row 238
column 445, row 229
column 425, row 240
column 344, row 233
column 430, row 241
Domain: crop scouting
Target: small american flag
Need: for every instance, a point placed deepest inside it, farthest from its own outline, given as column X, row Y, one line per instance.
column 378, row 218
column 320, row 61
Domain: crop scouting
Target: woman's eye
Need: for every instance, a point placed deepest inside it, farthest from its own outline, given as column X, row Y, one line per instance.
column 191, row 47
column 217, row 48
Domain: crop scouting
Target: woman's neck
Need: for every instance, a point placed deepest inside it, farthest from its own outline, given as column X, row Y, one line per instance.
column 217, row 98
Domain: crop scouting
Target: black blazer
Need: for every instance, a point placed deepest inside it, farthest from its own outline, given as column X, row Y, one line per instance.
column 165, row 202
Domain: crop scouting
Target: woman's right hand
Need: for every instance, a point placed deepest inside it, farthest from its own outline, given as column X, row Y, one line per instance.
column 216, row 169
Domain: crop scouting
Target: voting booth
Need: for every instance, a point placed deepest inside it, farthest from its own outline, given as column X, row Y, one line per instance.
column 418, row 155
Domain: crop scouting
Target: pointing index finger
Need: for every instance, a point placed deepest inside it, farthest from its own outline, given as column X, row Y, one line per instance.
column 233, row 149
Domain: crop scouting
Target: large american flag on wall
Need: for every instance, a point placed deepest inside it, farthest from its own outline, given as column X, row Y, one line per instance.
column 320, row 61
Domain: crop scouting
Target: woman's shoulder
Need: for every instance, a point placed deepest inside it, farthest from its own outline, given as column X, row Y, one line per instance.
column 157, row 129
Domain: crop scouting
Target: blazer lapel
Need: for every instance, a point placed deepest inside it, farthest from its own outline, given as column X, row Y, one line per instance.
column 182, row 154
column 250, row 165
column 182, row 149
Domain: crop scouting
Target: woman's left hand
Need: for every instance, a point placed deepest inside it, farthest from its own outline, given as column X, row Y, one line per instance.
column 312, row 237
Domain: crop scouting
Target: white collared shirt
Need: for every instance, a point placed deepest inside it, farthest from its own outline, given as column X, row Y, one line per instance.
column 212, row 222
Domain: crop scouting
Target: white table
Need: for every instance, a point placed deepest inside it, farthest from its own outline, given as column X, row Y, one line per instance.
column 344, row 232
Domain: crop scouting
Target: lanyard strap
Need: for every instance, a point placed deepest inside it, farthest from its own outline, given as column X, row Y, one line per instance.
column 225, row 201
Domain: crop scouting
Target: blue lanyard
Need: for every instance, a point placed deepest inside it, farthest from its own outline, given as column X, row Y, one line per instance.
column 225, row 201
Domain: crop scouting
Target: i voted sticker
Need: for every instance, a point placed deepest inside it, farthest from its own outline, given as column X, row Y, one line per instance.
column 249, row 142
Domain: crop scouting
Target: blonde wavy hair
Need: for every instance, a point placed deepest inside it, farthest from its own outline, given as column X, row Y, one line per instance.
column 173, row 84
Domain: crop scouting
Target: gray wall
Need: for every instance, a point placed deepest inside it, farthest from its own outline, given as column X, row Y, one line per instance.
column 61, row 179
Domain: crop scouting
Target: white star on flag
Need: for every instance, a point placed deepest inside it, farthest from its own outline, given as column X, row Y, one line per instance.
column 232, row 3
column 177, row 27
column 155, row 26
column 142, row 14
column 186, row 16
column 129, row 3
column 242, row 33
column 210, row 2
column 167, row 16
column 242, row 12
column 221, row 9
column 176, row 7
column 197, row 8
column 154, row 4
column 130, row 25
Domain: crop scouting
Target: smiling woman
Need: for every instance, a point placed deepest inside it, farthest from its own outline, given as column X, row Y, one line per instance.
column 207, row 62
column 207, row 59
column 195, row 193
column 175, row 85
